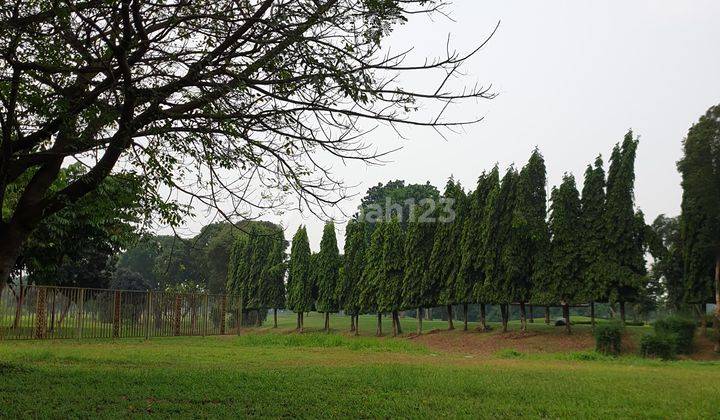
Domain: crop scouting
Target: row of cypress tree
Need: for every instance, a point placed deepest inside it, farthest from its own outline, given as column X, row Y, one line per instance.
column 497, row 244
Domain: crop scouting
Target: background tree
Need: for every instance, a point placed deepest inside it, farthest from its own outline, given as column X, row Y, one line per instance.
column 124, row 279
column 395, row 199
column 354, row 262
column 242, row 86
column 446, row 254
column 529, row 237
column 328, row 273
column 471, row 277
column 393, row 266
column 418, row 288
column 565, row 246
column 593, row 253
column 300, row 286
column 373, row 275
column 273, row 275
column 625, row 258
column 667, row 269
column 700, row 218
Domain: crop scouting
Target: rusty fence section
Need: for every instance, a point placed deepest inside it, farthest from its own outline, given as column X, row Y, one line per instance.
column 46, row 312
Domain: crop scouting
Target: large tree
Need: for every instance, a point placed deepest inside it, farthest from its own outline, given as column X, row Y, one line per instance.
column 626, row 262
column 348, row 292
column 446, row 253
column 593, row 253
column 300, row 285
column 529, row 237
column 393, row 266
column 667, row 269
column 471, row 275
column 328, row 273
column 211, row 99
column 373, row 275
column 419, row 289
column 700, row 218
column 565, row 246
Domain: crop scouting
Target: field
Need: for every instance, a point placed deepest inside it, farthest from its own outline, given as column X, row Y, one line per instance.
column 279, row 373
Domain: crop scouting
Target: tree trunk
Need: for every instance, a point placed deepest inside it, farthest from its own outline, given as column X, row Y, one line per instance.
column 592, row 313
column 547, row 315
column 504, row 315
column 428, row 312
column 622, row 312
column 11, row 240
column 275, row 318
column 327, row 321
column 299, row 315
column 523, row 317
column 483, row 321
column 302, row 321
column 716, row 322
column 703, row 320
column 465, row 316
column 532, row 316
column 397, row 322
column 450, row 318
column 419, row 320
column 352, row 323
column 378, row 330
column 394, row 324
column 566, row 316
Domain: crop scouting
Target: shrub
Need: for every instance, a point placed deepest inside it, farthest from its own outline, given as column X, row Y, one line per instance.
column 658, row 345
column 683, row 328
column 608, row 338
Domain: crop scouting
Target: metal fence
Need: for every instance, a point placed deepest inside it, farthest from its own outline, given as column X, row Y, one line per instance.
column 46, row 312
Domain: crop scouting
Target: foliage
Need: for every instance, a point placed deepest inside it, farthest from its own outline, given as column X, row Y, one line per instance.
column 658, row 345
column 124, row 279
column 300, row 285
column 373, row 273
column 446, row 254
column 608, row 337
column 700, row 218
column 666, row 272
column 348, row 293
column 682, row 329
column 395, row 198
column 419, row 289
column 327, row 269
column 593, row 253
column 393, row 266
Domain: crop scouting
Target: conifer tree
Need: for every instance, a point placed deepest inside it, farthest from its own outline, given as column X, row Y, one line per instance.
column 348, row 293
column 565, row 245
column 593, row 253
column 528, row 239
column 300, row 276
column 418, row 287
column 328, row 273
column 497, row 234
column 373, row 274
column 625, row 258
column 393, row 265
column 446, row 255
column 471, row 276
column 700, row 218
column 273, row 275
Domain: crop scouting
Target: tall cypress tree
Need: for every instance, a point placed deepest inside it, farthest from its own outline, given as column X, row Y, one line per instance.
column 273, row 275
column 500, row 270
column 373, row 274
column 393, row 265
column 700, row 218
column 625, row 258
column 471, row 276
column 446, row 255
column 529, row 235
column 565, row 246
column 593, row 253
column 418, row 286
column 328, row 273
column 348, row 293
column 300, row 276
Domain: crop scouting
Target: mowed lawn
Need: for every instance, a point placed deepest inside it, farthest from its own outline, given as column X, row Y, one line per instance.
column 281, row 374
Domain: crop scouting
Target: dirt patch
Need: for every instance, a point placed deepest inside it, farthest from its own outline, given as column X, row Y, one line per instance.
column 488, row 343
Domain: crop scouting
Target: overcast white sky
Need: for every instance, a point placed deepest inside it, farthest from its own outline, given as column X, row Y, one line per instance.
column 572, row 78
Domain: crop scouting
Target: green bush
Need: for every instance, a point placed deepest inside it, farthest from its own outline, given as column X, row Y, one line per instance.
column 682, row 328
column 658, row 345
column 608, row 338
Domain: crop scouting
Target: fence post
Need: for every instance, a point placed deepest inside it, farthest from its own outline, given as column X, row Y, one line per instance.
column 176, row 314
column 41, row 313
column 116, row 315
column 223, row 303
column 80, row 304
column 148, row 305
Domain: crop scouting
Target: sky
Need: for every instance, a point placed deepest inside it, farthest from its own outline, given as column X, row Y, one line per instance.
column 572, row 77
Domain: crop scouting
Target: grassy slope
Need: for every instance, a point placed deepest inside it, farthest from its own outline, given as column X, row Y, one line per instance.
column 315, row 374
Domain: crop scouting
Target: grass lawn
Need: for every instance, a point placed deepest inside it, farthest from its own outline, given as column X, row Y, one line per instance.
column 280, row 373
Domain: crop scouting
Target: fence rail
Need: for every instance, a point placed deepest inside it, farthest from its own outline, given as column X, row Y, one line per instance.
column 47, row 312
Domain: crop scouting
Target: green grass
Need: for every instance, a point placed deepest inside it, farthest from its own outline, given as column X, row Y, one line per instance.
column 282, row 374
